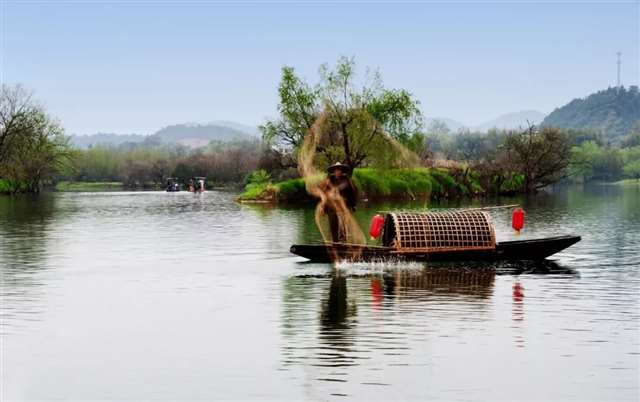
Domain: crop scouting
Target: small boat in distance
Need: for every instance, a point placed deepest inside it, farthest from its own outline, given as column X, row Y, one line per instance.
column 173, row 184
column 437, row 236
column 196, row 184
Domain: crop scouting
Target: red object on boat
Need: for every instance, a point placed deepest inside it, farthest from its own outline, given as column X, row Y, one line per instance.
column 375, row 229
column 517, row 219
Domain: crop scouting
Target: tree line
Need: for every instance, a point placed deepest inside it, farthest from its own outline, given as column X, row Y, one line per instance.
column 144, row 166
column 35, row 152
column 362, row 119
column 361, row 122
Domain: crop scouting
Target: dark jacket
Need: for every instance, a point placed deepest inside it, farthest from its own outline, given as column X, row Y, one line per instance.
column 347, row 189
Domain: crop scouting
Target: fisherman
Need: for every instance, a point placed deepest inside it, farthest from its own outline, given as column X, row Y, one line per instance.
column 339, row 183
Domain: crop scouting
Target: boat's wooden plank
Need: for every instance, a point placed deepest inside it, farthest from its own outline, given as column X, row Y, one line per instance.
column 528, row 249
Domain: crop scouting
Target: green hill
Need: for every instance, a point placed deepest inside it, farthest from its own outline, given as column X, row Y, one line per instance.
column 611, row 112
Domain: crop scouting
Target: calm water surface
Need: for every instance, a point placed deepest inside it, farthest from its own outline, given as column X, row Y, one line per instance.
column 160, row 296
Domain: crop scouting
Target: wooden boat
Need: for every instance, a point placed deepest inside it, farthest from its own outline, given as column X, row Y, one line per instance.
column 531, row 250
column 438, row 236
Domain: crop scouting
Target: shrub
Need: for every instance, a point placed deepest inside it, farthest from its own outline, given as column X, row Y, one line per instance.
column 292, row 189
column 371, row 182
column 260, row 176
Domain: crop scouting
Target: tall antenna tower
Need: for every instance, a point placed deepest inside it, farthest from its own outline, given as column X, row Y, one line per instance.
column 619, row 63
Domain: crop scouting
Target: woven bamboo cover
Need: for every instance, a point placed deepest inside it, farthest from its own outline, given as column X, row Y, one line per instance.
column 444, row 231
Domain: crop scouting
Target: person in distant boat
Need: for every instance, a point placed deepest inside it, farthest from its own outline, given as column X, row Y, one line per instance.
column 339, row 184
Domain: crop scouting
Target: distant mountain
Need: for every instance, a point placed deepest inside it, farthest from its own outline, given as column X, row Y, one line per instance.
column 612, row 112
column 513, row 121
column 453, row 125
column 85, row 141
column 192, row 135
column 197, row 135
column 251, row 130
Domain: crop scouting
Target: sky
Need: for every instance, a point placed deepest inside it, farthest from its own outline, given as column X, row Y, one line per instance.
column 135, row 67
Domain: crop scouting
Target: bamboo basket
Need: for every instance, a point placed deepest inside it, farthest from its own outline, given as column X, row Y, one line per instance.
column 441, row 231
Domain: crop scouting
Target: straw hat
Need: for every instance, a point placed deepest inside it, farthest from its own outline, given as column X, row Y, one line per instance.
column 345, row 168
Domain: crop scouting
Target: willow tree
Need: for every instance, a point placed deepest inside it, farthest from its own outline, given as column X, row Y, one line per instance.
column 361, row 118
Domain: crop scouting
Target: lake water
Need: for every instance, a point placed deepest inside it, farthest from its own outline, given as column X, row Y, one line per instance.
column 176, row 296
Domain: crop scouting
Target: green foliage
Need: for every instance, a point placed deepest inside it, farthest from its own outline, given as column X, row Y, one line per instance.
column 442, row 181
column 417, row 143
column 632, row 169
column 612, row 112
column 407, row 183
column 257, row 192
column 8, row 186
column 291, row 189
column 260, row 188
column 631, row 159
column 590, row 161
column 260, row 176
column 512, row 183
column 298, row 108
column 357, row 119
column 397, row 111
column 583, row 159
column 33, row 147
column 371, row 182
column 5, row 186
column 361, row 117
column 257, row 184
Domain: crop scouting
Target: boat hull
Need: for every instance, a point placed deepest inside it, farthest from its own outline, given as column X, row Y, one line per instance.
column 532, row 249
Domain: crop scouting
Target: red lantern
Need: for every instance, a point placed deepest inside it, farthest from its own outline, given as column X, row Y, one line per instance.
column 375, row 229
column 517, row 219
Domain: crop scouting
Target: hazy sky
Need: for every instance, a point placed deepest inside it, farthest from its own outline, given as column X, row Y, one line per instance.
column 135, row 67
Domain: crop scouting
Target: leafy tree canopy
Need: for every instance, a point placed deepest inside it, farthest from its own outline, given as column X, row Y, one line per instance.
column 359, row 116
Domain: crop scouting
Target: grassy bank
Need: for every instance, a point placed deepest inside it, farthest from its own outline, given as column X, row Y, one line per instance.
column 414, row 183
column 89, row 186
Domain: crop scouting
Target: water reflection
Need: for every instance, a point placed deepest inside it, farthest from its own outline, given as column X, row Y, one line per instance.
column 363, row 312
column 517, row 313
column 450, row 281
column 25, row 222
column 337, row 323
column 368, row 313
